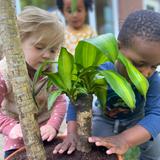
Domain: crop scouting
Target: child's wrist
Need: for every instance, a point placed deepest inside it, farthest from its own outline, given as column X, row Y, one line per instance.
column 126, row 140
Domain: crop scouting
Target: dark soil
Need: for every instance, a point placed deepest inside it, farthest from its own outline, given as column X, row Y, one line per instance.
column 97, row 153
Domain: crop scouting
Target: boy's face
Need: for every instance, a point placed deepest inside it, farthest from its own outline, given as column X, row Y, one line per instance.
column 37, row 53
column 145, row 55
column 76, row 19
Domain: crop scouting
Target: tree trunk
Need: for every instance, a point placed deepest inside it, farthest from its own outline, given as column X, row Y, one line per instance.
column 19, row 79
column 84, row 114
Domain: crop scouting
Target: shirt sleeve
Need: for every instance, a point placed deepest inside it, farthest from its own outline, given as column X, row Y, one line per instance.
column 152, row 108
column 6, row 123
column 58, row 113
column 71, row 113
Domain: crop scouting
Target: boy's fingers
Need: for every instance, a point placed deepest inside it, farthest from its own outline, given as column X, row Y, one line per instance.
column 120, row 157
column 64, row 147
column 71, row 149
column 57, row 148
column 111, row 150
column 61, row 148
column 104, row 143
column 94, row 139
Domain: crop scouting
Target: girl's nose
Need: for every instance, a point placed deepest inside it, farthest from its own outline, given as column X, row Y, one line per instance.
column 47, row 54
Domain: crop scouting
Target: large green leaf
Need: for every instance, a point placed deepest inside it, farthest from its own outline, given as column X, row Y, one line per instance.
column 101, row 93
column 40, row 70
column 52, row 98
column 88, row 55
column 100, row 90
column 55, row 79
column 107, row 44
column 65, row 67
column 121, row 86
column 135, row 76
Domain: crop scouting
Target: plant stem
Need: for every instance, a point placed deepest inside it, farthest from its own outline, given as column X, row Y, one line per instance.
column 84, row 114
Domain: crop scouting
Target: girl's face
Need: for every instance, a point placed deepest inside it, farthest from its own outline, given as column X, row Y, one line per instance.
column 145, row 55
column 76, row 19
column 37, row 53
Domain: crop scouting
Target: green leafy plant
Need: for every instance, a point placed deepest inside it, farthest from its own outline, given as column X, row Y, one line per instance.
column 80, row 74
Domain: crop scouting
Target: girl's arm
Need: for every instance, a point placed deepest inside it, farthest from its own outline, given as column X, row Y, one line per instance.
column 58, row 113
column 6, row 123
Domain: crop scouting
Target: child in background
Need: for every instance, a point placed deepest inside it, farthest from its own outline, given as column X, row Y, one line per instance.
column 139, row 41
column 76, row 28
column 41, row 35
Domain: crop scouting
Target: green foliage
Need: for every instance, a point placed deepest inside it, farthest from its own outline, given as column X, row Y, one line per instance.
column 52, row 97
column 121, row 86
column 80, row 74
column 132, row 154
column 65, row 67
column 106, row 45
column 135, row 76
column 45, row 4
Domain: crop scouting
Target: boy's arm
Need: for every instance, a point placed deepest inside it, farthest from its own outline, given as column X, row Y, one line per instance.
column 120, row 143
column 145, row 129
column 69, row 143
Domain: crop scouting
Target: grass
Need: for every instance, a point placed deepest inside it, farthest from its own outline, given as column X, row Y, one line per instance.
column 132, row 154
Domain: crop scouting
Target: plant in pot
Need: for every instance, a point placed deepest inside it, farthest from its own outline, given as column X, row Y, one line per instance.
column 79, row 77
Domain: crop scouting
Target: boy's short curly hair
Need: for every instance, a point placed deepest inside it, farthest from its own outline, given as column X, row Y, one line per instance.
column 144, row 24
column 87, row 3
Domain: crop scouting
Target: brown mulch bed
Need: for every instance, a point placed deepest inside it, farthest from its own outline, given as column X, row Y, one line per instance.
column 97, row 153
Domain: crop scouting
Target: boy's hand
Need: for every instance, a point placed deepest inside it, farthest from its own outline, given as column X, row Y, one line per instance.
column 16, row 132
column 48, row 132
column 69, row 144
column 115, row 144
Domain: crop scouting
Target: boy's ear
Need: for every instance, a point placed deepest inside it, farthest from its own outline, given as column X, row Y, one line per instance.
column 119, row 44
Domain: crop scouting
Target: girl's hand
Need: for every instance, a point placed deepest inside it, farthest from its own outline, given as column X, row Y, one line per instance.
column 16, row 132
column 115, row 144
column 48, row 132
column 69, row 144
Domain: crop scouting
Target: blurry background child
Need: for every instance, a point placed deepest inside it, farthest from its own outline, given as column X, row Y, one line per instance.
column 76, row 28
column 41, row 35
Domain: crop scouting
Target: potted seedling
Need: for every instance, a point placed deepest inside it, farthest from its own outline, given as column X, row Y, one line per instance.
column 79, row 77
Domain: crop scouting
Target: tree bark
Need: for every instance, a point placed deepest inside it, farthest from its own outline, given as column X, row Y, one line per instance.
column 84, row 116
column 18, row 76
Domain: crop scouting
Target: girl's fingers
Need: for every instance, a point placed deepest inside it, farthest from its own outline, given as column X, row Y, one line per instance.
column 50, row 137
column 45, row 136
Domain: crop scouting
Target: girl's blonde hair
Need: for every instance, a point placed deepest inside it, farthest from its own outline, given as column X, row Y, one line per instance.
column 43, row 24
